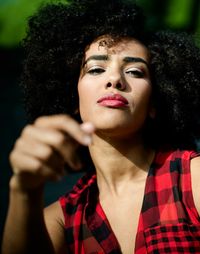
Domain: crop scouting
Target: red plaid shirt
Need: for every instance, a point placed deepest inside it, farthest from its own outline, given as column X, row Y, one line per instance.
column 168, row 223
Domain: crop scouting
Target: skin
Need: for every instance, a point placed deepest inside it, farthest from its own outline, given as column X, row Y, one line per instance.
column 114, row 134
column 118, row 137
column 119, row 69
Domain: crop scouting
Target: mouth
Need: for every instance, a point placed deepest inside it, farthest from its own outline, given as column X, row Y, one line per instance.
column 113, row 100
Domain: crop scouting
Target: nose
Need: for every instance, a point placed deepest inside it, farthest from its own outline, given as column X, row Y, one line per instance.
column 116, row 81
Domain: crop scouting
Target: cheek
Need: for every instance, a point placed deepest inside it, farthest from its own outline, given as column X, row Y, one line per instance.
column 86, row 97
column 142, row 102
column 143, row 92
column 82, row 97
column 81, row 91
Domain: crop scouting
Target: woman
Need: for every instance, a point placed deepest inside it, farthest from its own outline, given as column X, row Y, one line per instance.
column 135, row 96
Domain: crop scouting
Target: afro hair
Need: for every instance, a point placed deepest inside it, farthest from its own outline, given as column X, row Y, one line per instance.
column 57, row 37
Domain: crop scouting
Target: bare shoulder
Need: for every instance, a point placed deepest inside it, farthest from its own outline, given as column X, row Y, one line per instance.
column 54, row 220
column 195, row 177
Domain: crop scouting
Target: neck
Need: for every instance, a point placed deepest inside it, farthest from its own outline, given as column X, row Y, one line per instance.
column 119, row 162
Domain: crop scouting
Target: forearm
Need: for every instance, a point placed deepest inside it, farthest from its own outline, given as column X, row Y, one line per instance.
column 39, row 155
column 25, row 230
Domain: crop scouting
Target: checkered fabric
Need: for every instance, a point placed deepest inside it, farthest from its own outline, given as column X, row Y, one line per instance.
column 87, row 229
column 168, row 223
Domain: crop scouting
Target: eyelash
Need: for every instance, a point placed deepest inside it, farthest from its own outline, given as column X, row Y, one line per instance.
column 95, row 71
column 134, row 73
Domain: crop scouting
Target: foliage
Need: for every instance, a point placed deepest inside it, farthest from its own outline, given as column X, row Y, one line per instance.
column 13, row 18
column 174, row 14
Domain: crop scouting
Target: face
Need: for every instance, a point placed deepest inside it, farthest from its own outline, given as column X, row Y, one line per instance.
column 115, row 87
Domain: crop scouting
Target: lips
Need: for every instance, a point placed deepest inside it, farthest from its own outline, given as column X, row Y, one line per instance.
column 113, row 100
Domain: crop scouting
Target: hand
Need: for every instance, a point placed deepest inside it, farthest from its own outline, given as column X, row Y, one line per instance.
column 45, row 147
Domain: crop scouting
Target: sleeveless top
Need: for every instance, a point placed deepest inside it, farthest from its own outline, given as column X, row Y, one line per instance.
column 168, row 222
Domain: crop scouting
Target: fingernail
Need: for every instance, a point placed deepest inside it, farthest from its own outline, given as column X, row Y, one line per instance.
column 88, row 127
column 87, row 140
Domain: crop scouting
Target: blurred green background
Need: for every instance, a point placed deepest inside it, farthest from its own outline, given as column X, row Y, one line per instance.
column 178, row 15
column 174, row 14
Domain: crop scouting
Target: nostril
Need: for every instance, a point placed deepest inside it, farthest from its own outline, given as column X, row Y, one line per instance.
column 119, row 86
column 109, row 84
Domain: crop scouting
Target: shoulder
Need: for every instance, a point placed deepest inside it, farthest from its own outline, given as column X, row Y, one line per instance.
column 187, row 162
column 195, row 178
column 54, row 221
column 79, row 190
column 77, row 198
column 72, row 197
column 171, row 158
column 57, row 214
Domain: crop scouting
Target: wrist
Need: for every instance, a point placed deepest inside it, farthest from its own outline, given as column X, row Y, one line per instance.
column 18, row 186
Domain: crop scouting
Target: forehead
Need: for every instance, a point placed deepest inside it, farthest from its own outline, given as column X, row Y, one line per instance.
column 124, row 47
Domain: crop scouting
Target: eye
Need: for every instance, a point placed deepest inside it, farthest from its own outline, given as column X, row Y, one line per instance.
column 95, row 70
column 135, row 73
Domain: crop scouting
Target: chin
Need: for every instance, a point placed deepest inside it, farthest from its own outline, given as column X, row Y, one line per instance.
column 114, row 129
column 113, row 121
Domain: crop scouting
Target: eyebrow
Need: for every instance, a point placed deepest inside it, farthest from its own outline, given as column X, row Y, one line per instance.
column 127, row 59
column 96, row 57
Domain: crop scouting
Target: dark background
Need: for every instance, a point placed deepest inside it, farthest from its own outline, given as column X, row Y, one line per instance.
column 174, row 14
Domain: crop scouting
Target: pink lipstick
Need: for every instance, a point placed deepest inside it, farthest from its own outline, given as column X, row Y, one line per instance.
column 113, row 100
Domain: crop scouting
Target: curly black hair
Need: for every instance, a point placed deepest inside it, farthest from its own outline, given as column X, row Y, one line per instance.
column 175, row 68
column 57, row 37
column 55, row 43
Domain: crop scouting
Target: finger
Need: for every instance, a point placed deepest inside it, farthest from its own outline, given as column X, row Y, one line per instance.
column 42, row 152
column 67, row 125
column 24, row 165
column 43, row 143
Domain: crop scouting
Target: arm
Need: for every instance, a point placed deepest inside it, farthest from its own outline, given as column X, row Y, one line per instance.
column 54, row 220
column 39, row 155
column 25, row 230
column 195, row 178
